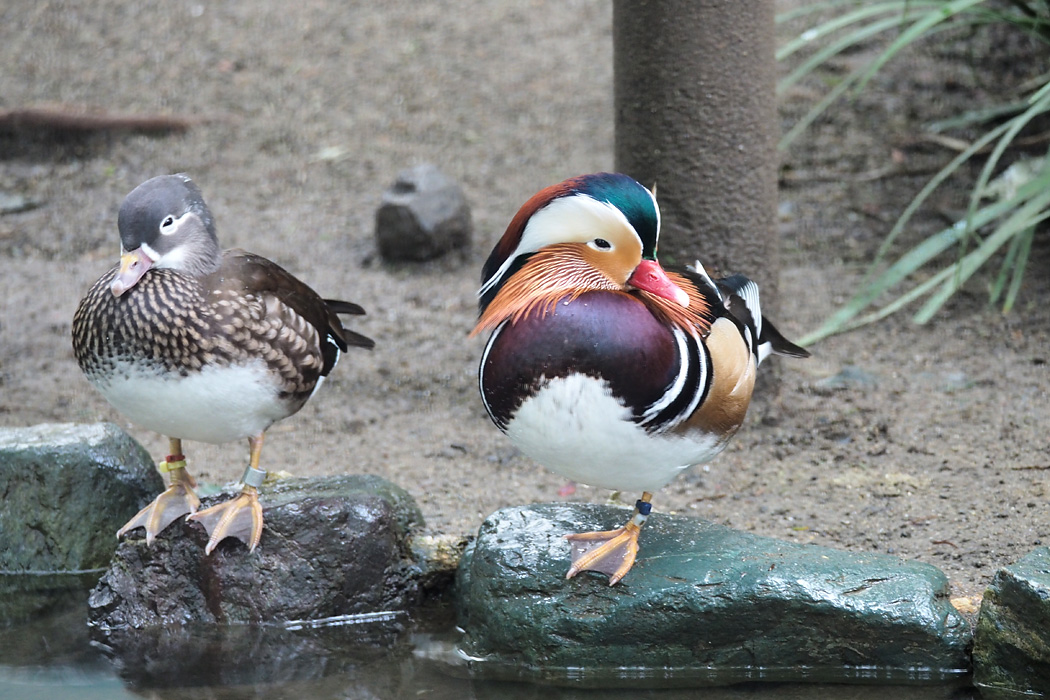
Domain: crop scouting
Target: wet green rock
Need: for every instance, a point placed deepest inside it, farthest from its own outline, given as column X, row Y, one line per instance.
column 1011, row 649
column 703, row 604
column 66, row 490
column 331, row 546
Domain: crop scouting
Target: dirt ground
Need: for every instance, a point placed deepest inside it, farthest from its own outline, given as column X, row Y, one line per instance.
column 927, row 443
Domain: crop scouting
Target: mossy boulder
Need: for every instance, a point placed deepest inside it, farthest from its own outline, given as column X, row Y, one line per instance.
column 704, row 604
column 67, row 488
column 1011, row 652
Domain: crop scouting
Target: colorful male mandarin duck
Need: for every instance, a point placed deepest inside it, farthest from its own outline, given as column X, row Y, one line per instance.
column 200, row 344
column 603, row 366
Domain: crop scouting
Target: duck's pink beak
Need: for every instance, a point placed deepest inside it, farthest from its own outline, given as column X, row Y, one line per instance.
column 650, row 277
column 133, row 265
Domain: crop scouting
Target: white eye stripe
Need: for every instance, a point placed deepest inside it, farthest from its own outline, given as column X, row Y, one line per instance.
column 153, row 255
column 169, row 224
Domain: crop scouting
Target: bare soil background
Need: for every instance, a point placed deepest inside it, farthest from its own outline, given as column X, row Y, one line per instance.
column 927, row 443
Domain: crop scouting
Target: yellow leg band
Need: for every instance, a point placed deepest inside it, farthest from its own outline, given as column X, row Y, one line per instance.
column 167, row 466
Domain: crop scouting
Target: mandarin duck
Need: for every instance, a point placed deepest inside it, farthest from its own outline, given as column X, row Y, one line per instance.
column 602, row 365
column 198, row 343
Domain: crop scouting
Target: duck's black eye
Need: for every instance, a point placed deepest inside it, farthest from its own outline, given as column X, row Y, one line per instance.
column 168, row 226
column 602, row 244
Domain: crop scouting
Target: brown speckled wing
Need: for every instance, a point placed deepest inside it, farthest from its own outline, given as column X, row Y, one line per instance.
column 251, row 275
column 249, row 310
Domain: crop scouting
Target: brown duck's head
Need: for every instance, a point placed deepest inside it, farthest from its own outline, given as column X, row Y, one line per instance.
column 164, row 223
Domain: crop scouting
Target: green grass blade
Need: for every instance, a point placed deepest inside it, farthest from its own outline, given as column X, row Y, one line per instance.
column 817, row 110
column 928, row 189
column 1040, row 94
column 907, row 298
column 1007, row 266
column 1014, row 127
column 941, row 241
column 1019, row 268
column 919, row 29
column 880, row 313
column 1035, row 210
column 836, row 47
column 812, row 8
column 1011, row 222
column 978, row 116
column 806, row 38
column 862, row 74
column 846, row 318
column 824, row 103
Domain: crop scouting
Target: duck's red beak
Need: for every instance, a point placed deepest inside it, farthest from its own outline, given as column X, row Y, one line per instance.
column 650, row 277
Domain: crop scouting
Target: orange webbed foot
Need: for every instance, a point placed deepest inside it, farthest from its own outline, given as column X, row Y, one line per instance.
column 177, row 500
column 240, row 517
column 610, row 552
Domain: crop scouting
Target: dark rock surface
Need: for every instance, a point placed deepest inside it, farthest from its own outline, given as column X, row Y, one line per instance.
column 1011, row 651
column 424, row 215
column 331, row 546
column 703, row 602
column 67, row 488
column 213, row 656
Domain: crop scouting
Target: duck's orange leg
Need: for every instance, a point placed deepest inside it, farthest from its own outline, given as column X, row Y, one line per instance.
column 610, row 552
column 176, row 501
column 242, row 516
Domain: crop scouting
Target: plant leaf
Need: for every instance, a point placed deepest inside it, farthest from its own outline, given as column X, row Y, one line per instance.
column 806, row 38
column 917, row 30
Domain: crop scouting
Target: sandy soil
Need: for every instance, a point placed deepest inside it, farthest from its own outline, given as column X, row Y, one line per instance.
column 932, row 445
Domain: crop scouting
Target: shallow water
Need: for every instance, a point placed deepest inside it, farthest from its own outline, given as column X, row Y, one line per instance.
column 47, row 652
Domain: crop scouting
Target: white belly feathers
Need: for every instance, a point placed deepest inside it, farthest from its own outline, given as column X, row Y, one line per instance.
column 577, row 428
column 215, row 405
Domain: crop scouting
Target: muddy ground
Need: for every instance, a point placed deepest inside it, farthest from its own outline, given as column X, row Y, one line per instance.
column 923, row 442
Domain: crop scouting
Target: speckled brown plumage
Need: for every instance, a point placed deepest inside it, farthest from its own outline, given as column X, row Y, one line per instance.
column 249, row 309
column 200, row 344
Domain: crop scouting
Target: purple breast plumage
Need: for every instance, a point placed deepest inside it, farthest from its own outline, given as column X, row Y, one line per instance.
column 608, row 336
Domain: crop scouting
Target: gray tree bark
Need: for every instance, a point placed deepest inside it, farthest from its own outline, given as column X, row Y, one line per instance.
column 696, row 117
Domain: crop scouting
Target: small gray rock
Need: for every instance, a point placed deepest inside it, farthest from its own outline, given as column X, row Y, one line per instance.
column 703, row 604
column 849, row 377
column 14, row 203
column 331, row 546
column 67, row 489
column 1011, row 650
column 424, row 215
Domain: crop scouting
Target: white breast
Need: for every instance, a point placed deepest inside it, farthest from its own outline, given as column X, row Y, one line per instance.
column 575, row 426
column 215, row 405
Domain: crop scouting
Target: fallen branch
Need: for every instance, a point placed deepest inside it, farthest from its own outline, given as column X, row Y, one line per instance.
column 831, row 175
column 81, row 120
column 960, row 145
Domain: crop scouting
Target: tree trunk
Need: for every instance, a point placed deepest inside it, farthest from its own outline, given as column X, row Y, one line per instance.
column 696, row 117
